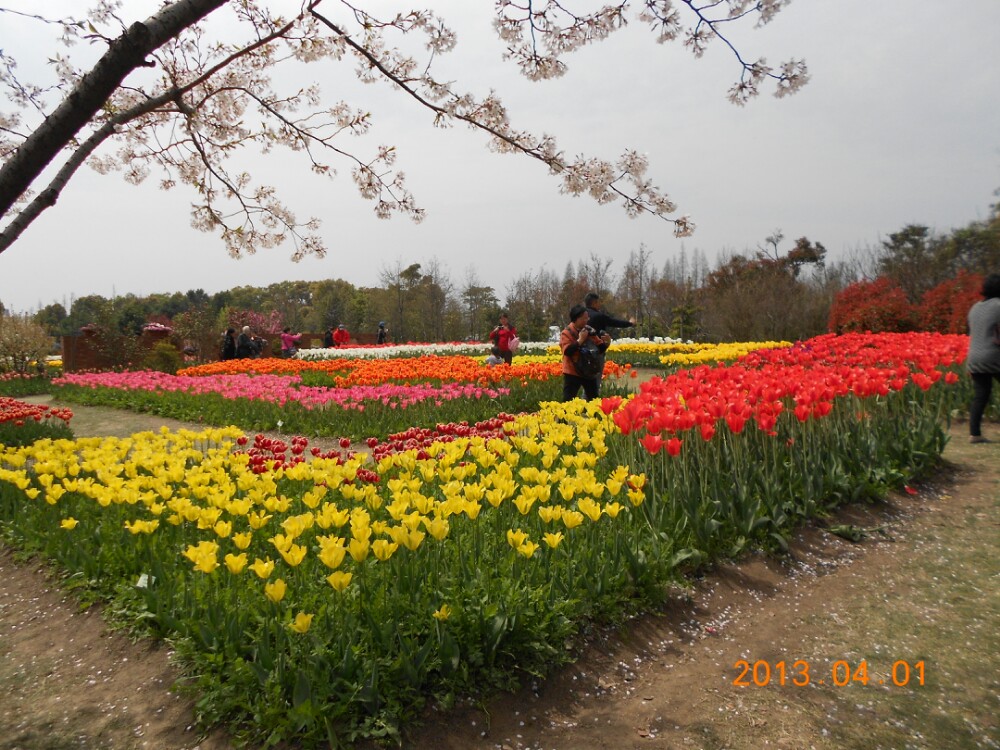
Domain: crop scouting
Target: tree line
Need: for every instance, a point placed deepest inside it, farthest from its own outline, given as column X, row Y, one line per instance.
column 777, row 290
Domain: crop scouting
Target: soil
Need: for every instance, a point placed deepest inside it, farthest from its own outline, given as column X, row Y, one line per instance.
column 662, row 681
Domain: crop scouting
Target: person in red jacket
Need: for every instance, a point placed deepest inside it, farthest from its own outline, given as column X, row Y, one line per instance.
column 501, row 336
column 341, row 337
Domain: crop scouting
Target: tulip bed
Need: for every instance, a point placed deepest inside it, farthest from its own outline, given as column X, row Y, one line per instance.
column 23, row 424
column 16, row 384
column 327, row 600
column 354, row 399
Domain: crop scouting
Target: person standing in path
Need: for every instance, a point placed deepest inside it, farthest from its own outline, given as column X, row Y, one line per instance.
column 328, row 338
column 601, row 321
column 383, row 334
column 983, row 359
column 501, row 336
column 573, row 337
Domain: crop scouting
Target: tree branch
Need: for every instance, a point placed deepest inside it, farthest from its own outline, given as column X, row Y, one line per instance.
column 125, row 54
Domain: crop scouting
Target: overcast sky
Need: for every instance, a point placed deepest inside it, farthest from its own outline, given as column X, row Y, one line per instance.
column 900, row 124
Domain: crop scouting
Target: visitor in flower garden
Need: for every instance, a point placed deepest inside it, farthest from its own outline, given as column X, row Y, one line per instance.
column 341, row 337
column 383, row 333
column 575, row 336
column 259, row 345
column 494, row 358
column 289, row 342
column 228, row 344
column 244, row 344
column 983, row 360
column 501, row 337
column 328, row 338
column 600, row 320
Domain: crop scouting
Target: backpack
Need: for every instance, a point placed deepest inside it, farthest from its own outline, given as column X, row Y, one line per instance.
column 589, row 361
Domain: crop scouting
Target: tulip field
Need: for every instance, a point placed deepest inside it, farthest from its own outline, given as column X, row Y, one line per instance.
column 469, row 527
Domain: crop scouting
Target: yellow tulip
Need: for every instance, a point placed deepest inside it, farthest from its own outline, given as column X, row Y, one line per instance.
column 263, row 568
column 613, row 509
column 301, row 623
column 413, row 539
column 383, row 549
column 437, row 528
column 282, row 542
column 358, row 549
column 590, row 508
column 275, row 591
column 223, row 529
column 236, row 563
column 516, row 538
column 258, row 519
column 68, row 523
column 550, row 513
column 553, row 540
column 142, row 527
column 242, row 540
column 527, row 549
column 572, row 518
column 339, row 580
column 294, row 555
column 442, row 613
column 332, row 556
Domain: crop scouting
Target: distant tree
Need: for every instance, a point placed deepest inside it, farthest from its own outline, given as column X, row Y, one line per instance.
column 198, row 328
column 532, row 300
column 52, row 318
column 910, row 257
column 89, row 309
column 129, row 314
column 400, row 282
column 166, row 305
column 761, row 297
column 635, row 289
column 292, row 300
column 481, row 307
column 331, row 299
column 176, row 101
column 974, row 248
column 22, row 341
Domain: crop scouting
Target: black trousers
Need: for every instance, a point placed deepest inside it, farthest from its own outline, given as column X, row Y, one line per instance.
column 982, row 386
column 573, row 383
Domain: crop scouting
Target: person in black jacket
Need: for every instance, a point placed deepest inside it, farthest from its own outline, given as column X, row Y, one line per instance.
column 229, row 344
column 601, row 320
column 244, row 344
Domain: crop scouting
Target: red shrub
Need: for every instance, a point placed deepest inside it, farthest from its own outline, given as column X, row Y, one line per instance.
column 945, row 308
column 879, row 306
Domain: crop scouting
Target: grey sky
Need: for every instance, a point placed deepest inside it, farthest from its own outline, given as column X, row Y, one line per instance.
column 899, row 124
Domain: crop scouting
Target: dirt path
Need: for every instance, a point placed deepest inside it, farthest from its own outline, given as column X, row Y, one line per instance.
column 926, row 588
